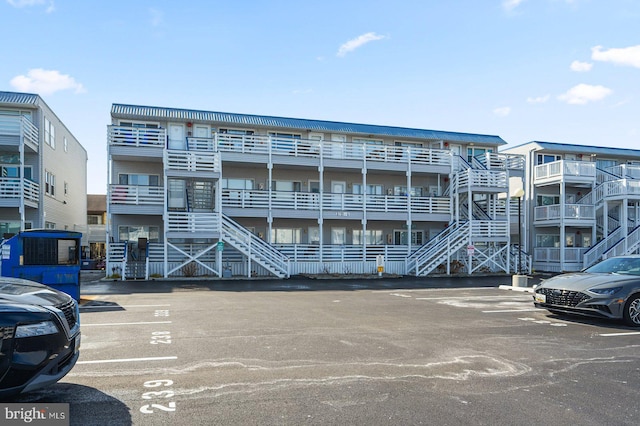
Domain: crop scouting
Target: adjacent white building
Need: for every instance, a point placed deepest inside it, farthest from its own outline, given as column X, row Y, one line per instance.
column 582, row 204
column 43, row 180
column 202, row 193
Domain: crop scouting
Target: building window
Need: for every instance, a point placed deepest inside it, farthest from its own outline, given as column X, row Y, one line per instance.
column 138, row 179
column 548, row 240
column 371, row 237
column 284, row 141
column 49, row 133
column 94, row 219
column 371, row 189
column 139, row 125
column 476, row 152
column 547, row 200
column 49, row 225
column 286, row 236
column 10, row 171
column 133, row 233
column 65, row 144
column 50, row 183
column 66, row 188
column 366, row 141
column 547, row 158
column 416, row 191
column 285, row 185
column 236, row 183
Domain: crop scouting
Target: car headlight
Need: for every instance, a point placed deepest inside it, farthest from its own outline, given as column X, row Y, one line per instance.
column 605, row 291
column 37, row 329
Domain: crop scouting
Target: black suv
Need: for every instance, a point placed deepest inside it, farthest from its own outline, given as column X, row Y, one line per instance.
column 39, row 335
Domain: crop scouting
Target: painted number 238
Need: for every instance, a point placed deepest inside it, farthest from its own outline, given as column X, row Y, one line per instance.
column 160, row 337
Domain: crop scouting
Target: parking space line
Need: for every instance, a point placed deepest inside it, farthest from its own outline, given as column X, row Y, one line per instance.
column 101, row 361
column 630, row 333
column 510, row 310
column 125, row 323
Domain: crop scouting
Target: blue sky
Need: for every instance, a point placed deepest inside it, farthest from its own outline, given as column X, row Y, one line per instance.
column 553, row 70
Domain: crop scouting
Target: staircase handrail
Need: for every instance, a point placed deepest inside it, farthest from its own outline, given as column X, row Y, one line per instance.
column 268, row 255
column 595, row 252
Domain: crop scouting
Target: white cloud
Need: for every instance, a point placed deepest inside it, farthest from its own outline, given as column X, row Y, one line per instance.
column 581, row 66
column 29, row 3
column 45, row 82
column 538, row 99
column 357, row 42
column 502, row 111
column 509, row 5
column 584, row 93
column 620, row 56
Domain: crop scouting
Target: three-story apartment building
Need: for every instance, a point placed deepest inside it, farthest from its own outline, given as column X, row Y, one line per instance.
column 582, row 202
column 43, row 180
column 222, row 194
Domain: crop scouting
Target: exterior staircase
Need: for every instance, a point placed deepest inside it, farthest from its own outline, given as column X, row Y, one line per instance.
column 254, row 248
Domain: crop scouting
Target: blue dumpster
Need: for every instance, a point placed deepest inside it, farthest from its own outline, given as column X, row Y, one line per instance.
column 50, row 257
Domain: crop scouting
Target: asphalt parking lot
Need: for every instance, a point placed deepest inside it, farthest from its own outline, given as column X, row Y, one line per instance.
column 396, row 351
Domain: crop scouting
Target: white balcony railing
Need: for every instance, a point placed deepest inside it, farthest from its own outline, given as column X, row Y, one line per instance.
column 565, row 168
column 135, row 136
column 495, row 161
column 136, row 195
column 10, row 188
column 192, row 161
column 552, row 254
column 19, row 126
column 339, row 202
column 482, row 178
column 196, row 223
column 571, row 211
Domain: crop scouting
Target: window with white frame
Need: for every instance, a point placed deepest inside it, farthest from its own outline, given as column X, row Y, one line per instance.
column 236, row 183
column 49, row 183
column 138, row 179
column 548, row 240
column 368, row 141
column 49, row 225
column 371, row 189
column 286, row 185
column 286, row 235
column 547, row 158
column 13, row 171
column 474, row 151
column 133, row 232
column 66, row 188
column 416, row 191
column 65, row 144
column 371, row 237
column 142, row 125
column 49, row 133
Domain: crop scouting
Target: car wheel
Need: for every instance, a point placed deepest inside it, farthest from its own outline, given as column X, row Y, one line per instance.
column 632, row 311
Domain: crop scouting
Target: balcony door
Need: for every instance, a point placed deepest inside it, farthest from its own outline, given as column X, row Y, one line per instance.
column 177, row 139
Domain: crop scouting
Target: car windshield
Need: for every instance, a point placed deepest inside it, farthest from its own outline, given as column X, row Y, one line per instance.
column 617, row 265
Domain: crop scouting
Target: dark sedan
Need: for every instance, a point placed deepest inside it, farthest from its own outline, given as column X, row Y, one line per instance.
column 609, row 289
column 39, row 335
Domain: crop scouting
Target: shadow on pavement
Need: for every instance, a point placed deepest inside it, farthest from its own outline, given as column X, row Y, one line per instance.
column 87, row 405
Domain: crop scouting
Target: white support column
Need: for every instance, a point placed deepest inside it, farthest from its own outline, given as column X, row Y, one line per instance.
column 562, row 229
column 409, row 208
column 364, row 212
column 321, row 212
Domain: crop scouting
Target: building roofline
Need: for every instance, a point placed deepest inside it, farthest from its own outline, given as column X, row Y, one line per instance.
column 584, row 149
column 140, row 111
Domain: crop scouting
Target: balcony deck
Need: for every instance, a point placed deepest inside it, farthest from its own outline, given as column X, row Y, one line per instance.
column 11, row 192
column 568, row 171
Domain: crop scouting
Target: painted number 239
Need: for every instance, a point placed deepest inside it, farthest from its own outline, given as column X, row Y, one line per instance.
column 160, row 394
